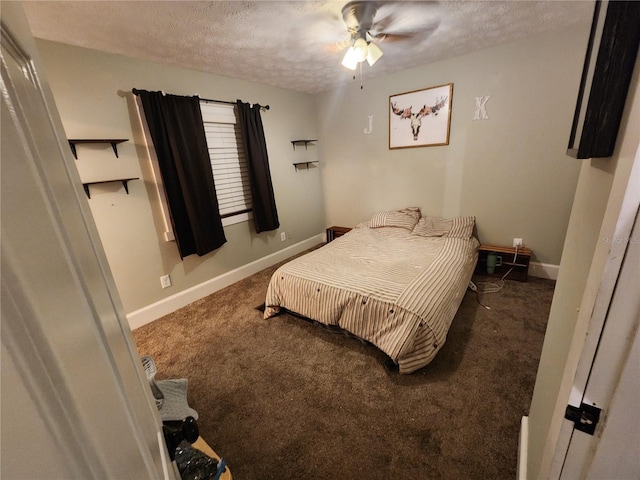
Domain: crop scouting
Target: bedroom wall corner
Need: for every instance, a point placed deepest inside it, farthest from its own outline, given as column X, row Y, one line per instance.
column 494, row 169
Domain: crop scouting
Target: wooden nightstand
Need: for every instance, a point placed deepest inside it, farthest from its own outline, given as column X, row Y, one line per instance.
column 519, row 262
column 335, row 232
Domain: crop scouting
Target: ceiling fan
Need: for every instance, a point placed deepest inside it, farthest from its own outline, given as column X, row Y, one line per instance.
column 370, row 22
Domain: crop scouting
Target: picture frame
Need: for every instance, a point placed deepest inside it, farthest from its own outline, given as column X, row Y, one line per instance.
column 420, row 118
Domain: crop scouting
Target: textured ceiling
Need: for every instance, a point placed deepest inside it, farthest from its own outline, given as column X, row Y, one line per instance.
column 296, row 45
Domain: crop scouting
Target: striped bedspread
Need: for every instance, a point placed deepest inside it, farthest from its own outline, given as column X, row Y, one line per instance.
column 396, row 290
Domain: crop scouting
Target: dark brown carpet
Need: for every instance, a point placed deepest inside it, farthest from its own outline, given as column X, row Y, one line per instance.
column 284, row 399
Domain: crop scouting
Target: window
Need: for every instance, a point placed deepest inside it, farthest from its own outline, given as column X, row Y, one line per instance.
column 228, row 162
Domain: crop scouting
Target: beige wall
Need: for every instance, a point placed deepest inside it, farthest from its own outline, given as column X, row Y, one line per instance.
column 510, row 171
column 93, row 94
column 598, row 199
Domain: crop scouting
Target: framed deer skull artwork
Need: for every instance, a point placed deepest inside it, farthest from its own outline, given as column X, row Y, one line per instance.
column 421, row 118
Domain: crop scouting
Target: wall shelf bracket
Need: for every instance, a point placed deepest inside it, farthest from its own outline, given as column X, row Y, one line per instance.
column 124, row 181
column 113, row 142
column 302, row 142
column 299, row 164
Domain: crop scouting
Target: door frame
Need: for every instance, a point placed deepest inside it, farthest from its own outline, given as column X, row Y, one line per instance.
column 619, row 243
column 81, row 406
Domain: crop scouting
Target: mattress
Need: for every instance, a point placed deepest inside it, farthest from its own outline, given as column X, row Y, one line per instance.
column 397, row 290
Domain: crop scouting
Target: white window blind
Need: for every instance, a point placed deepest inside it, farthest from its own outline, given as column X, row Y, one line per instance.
column 228, row 160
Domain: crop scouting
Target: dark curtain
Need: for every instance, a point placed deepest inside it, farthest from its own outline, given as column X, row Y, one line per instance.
column 265, row 215
column 177, row 131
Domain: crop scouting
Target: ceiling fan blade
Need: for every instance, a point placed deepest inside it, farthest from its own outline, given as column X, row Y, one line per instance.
column 340, row 45
column 393, row 37
column 375, row 21
column 320, row 28
column 406, row 18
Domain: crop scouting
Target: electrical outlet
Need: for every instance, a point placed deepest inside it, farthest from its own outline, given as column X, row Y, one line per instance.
column 165, row 281
column 283, row 236
column 517, row 242
column 289, row 236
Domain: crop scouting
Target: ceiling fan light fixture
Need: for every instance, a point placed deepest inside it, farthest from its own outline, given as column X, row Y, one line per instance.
column 350, row 59
column 361, row 49
column 373, row 54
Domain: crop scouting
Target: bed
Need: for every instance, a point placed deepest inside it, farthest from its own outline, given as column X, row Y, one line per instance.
column 395, row 281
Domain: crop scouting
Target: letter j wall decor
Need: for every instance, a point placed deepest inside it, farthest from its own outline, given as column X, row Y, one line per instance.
column 421, row 118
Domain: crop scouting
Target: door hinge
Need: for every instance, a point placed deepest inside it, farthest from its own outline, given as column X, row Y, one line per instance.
column 585, row 417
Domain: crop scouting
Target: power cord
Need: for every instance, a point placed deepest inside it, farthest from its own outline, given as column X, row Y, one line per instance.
column 490, row 287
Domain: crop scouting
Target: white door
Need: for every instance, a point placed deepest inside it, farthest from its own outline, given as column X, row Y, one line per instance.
column 75, row 402
column 608, row 374
column 613, row 451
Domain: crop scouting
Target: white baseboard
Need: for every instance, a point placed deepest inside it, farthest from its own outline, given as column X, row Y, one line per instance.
column 544, row 270
column 170, row 304
column 523, row 446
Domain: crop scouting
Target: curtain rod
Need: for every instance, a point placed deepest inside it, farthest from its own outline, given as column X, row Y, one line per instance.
column 262, row 107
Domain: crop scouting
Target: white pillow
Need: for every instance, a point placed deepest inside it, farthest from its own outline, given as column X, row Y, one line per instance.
column 459, row 227
column 404, row 218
